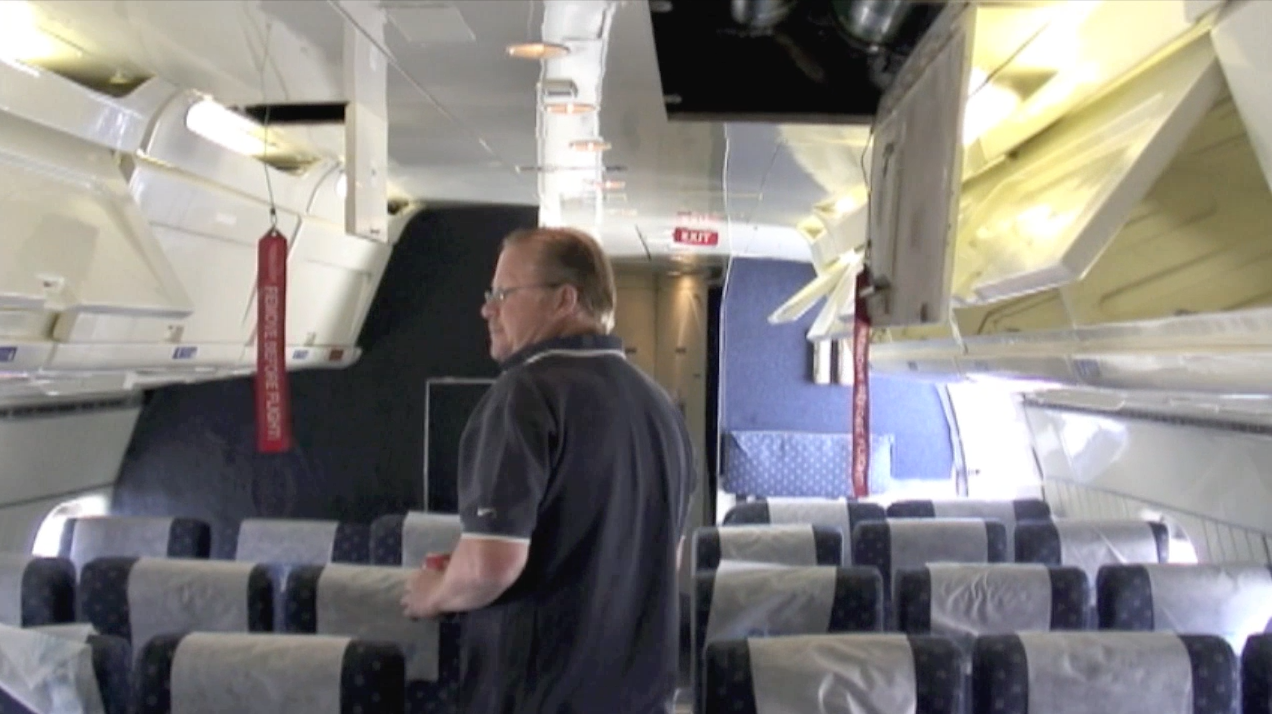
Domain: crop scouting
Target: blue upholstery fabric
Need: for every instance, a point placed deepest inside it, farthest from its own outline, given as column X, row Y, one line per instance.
column 1124, row 598
column 1068, row 599
column 757, row 513
column 1256, row 675
column 827, row 541
column 112, row 665
column 48, row 592
column 1001, row 675
column 421, row 697
column 352, row 544
column 103, row 597
column 783, row 463
column 370, row 678
column 1027, row 509
column 938, row 669
column 386, row 540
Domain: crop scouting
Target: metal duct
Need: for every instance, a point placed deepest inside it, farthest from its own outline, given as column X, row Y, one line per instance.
column 761, row 14
column 875, row 22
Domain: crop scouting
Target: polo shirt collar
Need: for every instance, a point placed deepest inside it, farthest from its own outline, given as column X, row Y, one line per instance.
column 574, row 345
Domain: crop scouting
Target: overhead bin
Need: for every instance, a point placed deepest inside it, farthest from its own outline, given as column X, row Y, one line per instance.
column 1042, row 219
column 73, row 239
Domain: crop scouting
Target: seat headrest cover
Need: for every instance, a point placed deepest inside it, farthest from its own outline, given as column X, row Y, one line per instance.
column 785, row 544
column 424, row 533
column 363, row 602
column 296, row 542
column 829, row 674
column 258, row 674
column 49, row 674
column 168, row 596
column 771, row 602
column 121, row 537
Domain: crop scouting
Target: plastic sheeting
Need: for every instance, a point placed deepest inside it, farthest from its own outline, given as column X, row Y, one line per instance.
column 176, row 596
column 48, row 674
column 123, row 537
column 363, row 602
column 73, row 631
column 1127, row 673
column 1231, row 601
column 1002, row 511
column 12, row 569
column 787, row 545
column 1000, row 598
column 1092, row 544
column 917, row 542
column 257, row 674
column 857, row 674
column 741, row 566
column 769, row 602
column 424, row 533
column 268, row 540
column 809, row 510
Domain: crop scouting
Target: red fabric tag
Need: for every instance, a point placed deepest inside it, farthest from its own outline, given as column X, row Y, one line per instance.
column 273, row 399
column 861, row 391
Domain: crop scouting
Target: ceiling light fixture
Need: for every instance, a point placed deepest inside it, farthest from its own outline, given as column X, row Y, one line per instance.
column 537, row 50
column 594, row 146
column 569, row 108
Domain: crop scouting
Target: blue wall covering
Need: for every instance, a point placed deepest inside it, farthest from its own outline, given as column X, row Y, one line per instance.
column 766, row 379
column 359, row 431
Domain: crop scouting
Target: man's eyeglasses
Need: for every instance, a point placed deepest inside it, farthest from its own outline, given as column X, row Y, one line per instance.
column 498, row 295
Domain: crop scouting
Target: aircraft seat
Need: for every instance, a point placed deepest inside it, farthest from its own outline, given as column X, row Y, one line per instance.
column 778, row 545
column 1009, row 513
column 819, row 673
column 363, row 601
column 1232, row 601
column 406, row 539
column 301, row 542
column 36, row 591
column 1256, row 675
column 771, row 602
column 86, row 539
column 962, row 601
column 1092, row 544
column 140, row 598
column 897, row 544
column 814, row 511
column 268, row 674
column 63, row 669
column 1063, row 672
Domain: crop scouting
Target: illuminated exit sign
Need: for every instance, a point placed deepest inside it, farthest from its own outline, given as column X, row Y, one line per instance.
column 695, row 236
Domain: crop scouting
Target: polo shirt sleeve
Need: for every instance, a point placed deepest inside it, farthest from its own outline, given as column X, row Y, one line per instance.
column 505, row 462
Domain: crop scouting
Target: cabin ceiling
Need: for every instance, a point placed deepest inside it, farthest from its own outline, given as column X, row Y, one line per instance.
column 464, row 117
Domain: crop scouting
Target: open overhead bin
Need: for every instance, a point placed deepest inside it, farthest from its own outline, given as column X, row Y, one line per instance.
column 1042, row 219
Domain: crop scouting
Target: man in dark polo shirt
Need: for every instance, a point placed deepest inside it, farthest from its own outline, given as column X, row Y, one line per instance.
column 576, row 473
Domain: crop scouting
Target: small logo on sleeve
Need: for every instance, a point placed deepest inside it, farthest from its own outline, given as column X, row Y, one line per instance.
column 485, row 512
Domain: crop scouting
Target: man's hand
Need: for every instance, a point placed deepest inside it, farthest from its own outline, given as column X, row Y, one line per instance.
column 420, row 599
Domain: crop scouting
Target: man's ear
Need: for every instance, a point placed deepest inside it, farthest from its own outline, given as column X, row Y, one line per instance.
column 569, row 300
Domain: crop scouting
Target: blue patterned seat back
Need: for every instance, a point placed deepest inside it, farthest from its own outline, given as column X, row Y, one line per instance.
column 268, row 674
column 787, row 463
column 36, row 591
column 1256, row 675
column 1064, row 672
column 1232, row 601
column 813, row 673
column 85, row 539
column 140, row 598
column 362, row 602
column 112, row 664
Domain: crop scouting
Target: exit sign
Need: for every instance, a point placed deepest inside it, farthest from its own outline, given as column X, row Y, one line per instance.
column 695, row 236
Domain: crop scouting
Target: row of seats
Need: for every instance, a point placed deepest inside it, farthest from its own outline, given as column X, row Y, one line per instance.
column 389, row 540
column 1024, row 673
column 144, row 601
